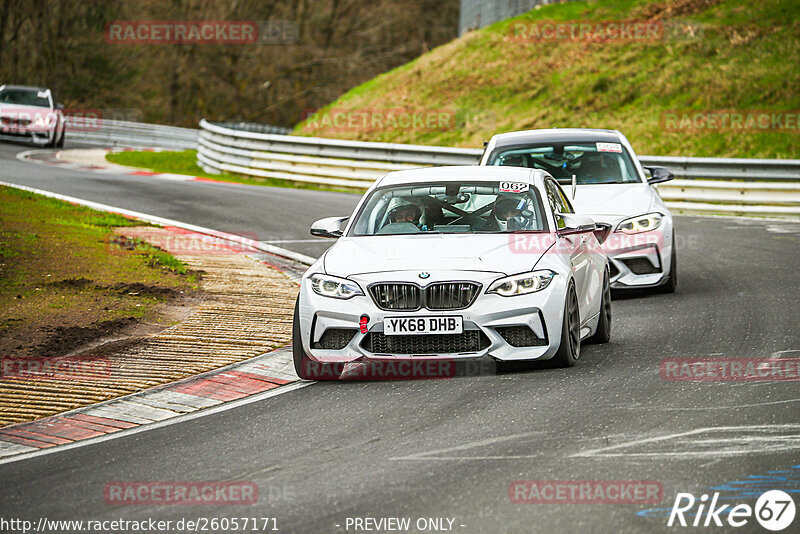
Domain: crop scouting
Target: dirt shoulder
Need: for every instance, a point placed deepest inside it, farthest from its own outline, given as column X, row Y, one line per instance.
column 164, row 329
column 67, row 280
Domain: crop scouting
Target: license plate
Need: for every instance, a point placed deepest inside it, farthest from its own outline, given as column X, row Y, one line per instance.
column 400, row 326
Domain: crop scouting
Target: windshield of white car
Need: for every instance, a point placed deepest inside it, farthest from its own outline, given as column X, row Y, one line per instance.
column 589, row 162
column 24, row 97
column 449, row 208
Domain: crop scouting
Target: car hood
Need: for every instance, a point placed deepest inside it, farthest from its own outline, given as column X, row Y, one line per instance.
column 497, row 253
column 612, row 200
column 5, row 107
column 16, row 112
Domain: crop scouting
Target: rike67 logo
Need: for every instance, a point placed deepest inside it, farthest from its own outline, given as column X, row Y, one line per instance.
column 774, row 510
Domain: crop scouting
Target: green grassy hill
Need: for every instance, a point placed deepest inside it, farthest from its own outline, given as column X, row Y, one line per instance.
column 706, row 57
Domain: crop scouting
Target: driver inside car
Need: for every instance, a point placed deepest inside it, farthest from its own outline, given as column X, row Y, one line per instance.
column 511, row 214
column 406, row 212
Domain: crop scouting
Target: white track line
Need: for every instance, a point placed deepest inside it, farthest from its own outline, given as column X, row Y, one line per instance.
column 604, row 451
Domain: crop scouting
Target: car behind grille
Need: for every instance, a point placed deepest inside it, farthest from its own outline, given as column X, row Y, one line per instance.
column 641, row 266
column 438, row 296
column 469, row 341
column 13, row 121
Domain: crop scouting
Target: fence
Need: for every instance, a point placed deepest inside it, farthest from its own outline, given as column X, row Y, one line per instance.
column 754, row 187
column 475, row 14
column 130, row 134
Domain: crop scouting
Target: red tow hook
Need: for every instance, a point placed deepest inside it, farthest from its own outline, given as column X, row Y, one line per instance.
column 362, row 324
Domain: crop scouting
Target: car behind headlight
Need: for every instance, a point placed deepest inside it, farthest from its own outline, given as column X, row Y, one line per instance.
column 640, row 223
column 334, row 287
column 41, row 122
column 521, row 284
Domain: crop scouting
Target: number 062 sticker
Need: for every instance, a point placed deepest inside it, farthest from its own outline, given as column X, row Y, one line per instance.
column 514, row 187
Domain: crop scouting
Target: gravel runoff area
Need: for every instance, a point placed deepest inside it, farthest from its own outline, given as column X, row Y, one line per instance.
column 247, row 311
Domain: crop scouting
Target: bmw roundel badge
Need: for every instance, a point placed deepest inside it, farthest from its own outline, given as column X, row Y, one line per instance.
column 424, row 275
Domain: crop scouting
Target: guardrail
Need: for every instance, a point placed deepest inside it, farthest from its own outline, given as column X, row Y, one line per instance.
column 130, row 134
column 315, row 159
column 256, row 127
column 705, row 185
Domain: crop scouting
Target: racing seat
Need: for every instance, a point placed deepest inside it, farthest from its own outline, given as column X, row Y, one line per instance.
column 431, row 216
column 515, row 160
column 598, row 168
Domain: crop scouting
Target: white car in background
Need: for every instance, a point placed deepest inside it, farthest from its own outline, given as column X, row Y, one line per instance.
column 453, row 263
column 31, row 114
column 610, row 185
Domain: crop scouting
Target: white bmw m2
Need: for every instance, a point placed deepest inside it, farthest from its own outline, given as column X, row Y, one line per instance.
column 454, row 263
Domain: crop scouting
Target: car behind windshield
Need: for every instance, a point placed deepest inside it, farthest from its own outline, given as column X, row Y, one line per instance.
column 24, row 97
column 590, row 162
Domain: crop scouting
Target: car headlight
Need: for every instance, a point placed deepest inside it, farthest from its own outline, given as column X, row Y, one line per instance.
column 640, row 223
column 41, row 121
column 333, row 286
column 521, row 284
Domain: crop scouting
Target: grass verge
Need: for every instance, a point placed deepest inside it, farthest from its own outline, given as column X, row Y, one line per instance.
column 727, row 56
column 62, row 271
column 185, row 162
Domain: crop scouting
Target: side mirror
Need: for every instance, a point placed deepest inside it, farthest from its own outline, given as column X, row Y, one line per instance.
column 59, row 106
column 659, row 174
column 575, row 224
column 328, row 227
column 601, row 231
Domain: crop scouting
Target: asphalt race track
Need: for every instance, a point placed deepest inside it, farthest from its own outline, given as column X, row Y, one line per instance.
column 265, row 214
column 452, row 448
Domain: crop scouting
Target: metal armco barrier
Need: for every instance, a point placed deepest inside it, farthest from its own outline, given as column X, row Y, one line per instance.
column 314, row 159
column 756, row 187
column 130, row 134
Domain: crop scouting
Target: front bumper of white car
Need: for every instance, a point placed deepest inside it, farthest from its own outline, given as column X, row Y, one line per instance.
column 639, row 260
column 521, row 327
column 39, row 136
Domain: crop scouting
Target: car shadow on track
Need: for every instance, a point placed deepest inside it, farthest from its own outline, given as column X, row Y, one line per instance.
column 632, row 294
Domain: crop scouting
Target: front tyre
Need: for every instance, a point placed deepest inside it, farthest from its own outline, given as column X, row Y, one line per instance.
column 672, row 281
column 305, row 367
column 570, row 348
column 54, row 142
column 603, row 332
